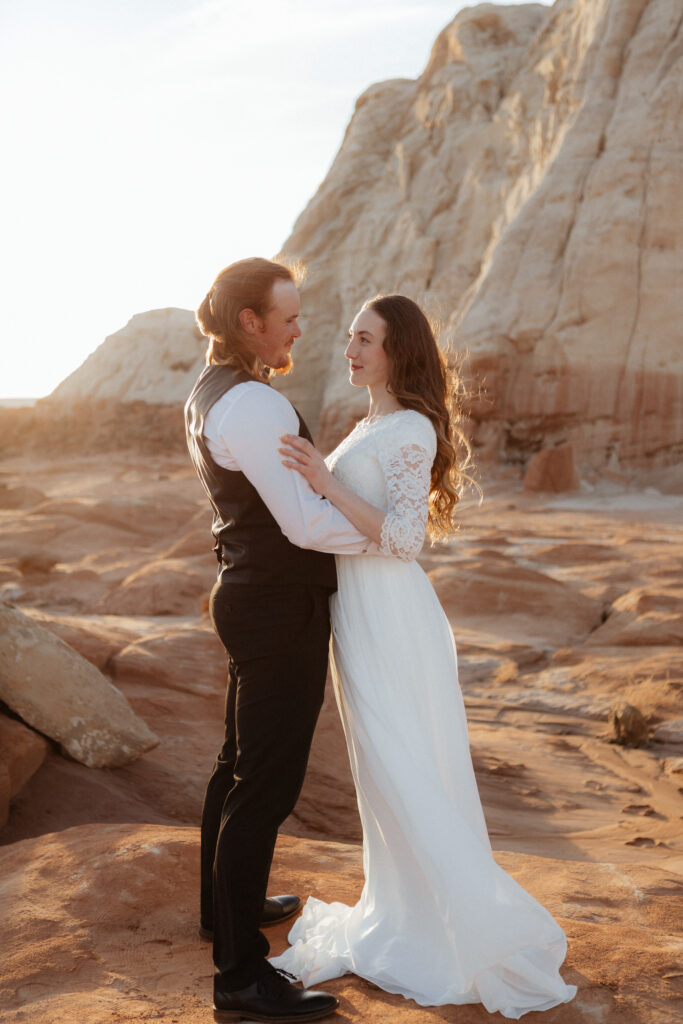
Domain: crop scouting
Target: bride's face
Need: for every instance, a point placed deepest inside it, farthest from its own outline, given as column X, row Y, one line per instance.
column 368, row 362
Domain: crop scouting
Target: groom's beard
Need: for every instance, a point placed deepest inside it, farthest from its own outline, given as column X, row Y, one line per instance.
column 282, row 371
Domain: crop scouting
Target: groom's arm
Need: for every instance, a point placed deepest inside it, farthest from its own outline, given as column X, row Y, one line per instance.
column 243, row 432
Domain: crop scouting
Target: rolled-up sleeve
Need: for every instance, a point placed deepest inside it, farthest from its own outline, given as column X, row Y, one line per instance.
column 251, row 430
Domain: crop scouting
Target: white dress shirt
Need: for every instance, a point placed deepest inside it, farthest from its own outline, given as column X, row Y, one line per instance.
column 242, row 432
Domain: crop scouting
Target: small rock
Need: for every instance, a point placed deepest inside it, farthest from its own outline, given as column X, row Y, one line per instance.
column 552, row 470
column 645, row 809
column 629, row 728
column 35, row 562
column 669, row 732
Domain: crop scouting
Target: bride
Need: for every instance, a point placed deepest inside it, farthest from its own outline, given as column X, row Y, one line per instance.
column 438, row 920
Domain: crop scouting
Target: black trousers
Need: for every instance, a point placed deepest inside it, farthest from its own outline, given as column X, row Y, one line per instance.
column 277, row 641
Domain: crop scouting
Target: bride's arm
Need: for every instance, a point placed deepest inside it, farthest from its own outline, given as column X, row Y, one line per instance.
column 302, row 456
column 400, row 530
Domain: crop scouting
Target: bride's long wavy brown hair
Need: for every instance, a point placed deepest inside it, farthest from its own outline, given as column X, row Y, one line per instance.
column 421, row 377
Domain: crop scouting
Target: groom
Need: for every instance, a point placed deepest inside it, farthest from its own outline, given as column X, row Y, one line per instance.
column 274, row 540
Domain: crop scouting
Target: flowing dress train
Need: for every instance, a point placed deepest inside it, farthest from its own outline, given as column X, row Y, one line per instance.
column 438, row 920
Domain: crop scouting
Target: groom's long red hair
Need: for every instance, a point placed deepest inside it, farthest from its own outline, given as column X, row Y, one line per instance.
column 246, row 284
column 421, row 378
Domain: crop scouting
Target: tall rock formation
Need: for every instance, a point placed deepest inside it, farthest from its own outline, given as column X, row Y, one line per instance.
column 528, row 190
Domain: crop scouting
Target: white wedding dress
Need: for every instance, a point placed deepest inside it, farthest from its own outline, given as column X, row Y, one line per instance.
column 438, row 921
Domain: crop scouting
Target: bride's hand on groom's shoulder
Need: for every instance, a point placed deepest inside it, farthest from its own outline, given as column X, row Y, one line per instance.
column 304, row 457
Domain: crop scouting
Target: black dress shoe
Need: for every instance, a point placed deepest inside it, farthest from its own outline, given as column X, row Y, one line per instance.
column 272, row 998
column 279, row 908
column 275, row 910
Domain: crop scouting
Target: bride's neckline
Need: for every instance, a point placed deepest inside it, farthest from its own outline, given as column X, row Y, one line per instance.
column 366, row 422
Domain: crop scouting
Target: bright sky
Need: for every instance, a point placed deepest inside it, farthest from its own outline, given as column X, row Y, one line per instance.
column 148, row 143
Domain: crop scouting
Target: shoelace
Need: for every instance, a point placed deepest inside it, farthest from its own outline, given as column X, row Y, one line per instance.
column 274, row 980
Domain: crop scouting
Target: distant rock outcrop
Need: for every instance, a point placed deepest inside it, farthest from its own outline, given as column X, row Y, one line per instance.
column 526, row 189
column 552, row 469
column 155, row 358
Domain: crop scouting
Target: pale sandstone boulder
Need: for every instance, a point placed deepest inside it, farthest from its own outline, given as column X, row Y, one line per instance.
column 95, row 638
column 156, row 357
column 61, row 694
column 526, row 189
column 22, row 751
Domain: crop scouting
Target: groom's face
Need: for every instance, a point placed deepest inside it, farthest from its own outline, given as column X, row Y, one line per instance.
column 271, row 337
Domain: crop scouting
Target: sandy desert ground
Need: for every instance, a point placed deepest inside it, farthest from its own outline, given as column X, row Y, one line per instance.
column 561, row 606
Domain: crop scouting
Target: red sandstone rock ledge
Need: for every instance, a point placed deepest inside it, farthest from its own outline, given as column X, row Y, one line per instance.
column 100, row 926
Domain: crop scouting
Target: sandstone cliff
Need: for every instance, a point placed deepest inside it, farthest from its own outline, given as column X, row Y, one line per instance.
column 527, row 189
column 155, row 358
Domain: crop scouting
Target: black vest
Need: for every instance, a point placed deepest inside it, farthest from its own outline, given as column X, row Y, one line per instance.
column 248, row 540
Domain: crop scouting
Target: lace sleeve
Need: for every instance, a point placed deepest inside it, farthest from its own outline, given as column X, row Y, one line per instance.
column 407, row 470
